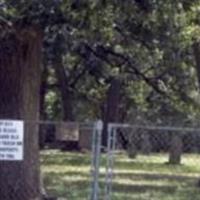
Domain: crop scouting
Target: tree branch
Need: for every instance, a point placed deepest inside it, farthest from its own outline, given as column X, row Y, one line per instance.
column 5, row 21
column 130, row 65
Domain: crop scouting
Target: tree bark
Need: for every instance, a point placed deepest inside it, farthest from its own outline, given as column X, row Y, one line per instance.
column 196, row 50
column 111, row 112
column 66, row 93
column 145, row 143
column 175, row 150
column 43, row 91
column 132, row 144
column 20, row 56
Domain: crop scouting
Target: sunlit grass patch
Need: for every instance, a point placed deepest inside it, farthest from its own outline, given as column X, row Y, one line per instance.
column 67, row 175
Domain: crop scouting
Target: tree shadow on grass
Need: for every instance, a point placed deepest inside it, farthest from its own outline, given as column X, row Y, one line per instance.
column 134, row 188
column 72, row 160
column 156, row 176
column 66, row 186
column 155, row 166
column 77, row 189
column 69, row 189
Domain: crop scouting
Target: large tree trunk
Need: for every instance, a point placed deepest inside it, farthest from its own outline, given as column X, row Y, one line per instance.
column 19, row 99
column 66, row 94
column 111, row 112
column 196, row 49
column 43, row 91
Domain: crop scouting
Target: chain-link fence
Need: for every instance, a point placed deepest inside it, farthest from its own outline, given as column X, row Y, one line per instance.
column 140, row 163
column 68, row 158
column 147, row 162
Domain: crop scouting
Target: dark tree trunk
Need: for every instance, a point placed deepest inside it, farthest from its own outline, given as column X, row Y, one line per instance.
column 132, row 149
column 196, row 49
column 146, row 144
column 66, row 93
column 19, row 99
column 175, row 150
column 111, row 110
column 43, row 91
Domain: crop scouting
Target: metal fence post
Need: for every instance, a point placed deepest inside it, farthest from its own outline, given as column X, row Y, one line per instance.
column 96, row 152
column 110, row 160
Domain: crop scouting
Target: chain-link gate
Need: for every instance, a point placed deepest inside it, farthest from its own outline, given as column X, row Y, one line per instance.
column 70, row 161
column 142, row 162
column 147, row 162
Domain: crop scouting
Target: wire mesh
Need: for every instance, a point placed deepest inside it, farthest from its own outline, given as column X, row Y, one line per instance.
column 152, row 162
column 70, row 164
column 142, row 162
column 65, row 162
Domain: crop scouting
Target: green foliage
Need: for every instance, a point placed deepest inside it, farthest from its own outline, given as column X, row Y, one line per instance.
column 147, row 44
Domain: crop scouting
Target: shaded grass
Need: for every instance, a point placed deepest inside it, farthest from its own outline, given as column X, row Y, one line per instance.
column 67, row 175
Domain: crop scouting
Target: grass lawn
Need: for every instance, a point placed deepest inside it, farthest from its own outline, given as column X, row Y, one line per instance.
column 67, row 176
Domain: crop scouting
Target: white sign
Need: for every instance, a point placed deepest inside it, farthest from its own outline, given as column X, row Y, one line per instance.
column 11, row 139
column 99, row 125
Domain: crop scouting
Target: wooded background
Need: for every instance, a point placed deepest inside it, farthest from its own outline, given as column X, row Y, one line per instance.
column 79, row 60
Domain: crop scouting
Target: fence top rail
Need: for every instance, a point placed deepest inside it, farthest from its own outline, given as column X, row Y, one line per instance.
column 112, row 125
column 150, row 127
column 50, row 122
